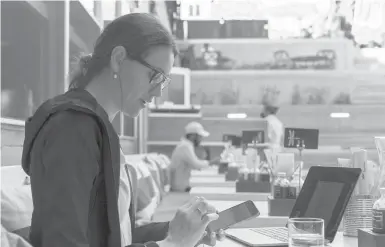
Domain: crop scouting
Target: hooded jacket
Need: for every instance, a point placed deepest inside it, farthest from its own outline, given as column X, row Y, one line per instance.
column 72, row 154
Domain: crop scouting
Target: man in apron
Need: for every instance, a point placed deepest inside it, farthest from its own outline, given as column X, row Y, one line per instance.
column 275, row 130
column 184, row 158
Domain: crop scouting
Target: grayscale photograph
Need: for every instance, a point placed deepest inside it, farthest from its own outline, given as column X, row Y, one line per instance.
column 192, row 123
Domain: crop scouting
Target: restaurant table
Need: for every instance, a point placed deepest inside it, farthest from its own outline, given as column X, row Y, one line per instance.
column 339, row 241
column 227, row 194
column 164, row 213
column 209, row 172
column 201, row 181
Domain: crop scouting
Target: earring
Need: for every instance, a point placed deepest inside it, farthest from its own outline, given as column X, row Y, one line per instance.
column 115, row 76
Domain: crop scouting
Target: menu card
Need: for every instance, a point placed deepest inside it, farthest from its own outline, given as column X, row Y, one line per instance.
column 295, row 136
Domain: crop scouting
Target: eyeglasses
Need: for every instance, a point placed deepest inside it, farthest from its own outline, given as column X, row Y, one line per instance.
column 159, row 78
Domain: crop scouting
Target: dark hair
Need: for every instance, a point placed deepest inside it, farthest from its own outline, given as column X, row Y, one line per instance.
column 271, row 110
column 137, row 33
column 189, row 135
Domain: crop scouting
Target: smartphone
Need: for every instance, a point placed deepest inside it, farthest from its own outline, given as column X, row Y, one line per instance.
column 234, row 215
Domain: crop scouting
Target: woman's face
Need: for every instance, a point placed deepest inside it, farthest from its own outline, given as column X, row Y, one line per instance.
column 143, row 79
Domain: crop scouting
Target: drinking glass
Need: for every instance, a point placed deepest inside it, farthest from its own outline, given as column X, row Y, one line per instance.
column 306, row 232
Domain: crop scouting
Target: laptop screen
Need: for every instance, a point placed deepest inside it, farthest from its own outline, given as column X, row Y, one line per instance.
column 324, row 200
column 325, row 194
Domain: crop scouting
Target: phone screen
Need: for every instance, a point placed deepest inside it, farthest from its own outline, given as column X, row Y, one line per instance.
column 234, row 215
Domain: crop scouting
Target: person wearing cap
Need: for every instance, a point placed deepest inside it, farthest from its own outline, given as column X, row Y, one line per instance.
column 184, row 158
column 275, row 129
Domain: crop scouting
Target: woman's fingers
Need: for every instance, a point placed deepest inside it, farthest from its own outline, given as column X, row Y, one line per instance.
column 213, row 239
column 207, row 218
column 221, row 235
column 190, row 222
column 202, row 204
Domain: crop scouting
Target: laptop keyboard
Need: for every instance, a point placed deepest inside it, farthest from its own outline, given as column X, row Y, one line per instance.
column 278, row 233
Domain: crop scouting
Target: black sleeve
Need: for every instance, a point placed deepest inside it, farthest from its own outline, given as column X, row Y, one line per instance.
column 70, row 158
column 150, row 232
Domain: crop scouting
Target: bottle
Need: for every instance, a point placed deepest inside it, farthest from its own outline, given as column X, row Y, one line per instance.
column 379, row 214
column 295, row 186
column 257, row 174
column 225, row 156
column 285, row 183
column 244, row 173
column 230, row 157
column 277, row 185
column 264, row 172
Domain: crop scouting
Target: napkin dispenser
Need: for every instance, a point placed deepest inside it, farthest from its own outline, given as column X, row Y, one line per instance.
column 223, row 167
column 280, row 206
column 367, row 238
column 232, row 173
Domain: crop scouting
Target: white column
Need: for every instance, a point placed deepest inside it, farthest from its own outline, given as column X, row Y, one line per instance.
column 66, row 43
column 142, row 131
column 118, row 8
column 98, row 12
column 121, row 115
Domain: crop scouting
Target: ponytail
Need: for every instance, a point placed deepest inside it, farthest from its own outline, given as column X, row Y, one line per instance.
column 79, row 76
column 136, row 32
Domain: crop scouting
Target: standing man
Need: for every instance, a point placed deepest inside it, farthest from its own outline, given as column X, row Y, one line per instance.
column 184, row 158
column 275, row 129
column 210, row 56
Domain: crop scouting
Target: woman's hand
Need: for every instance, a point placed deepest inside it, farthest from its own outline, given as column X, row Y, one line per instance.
column 188, row 227
column 211, row 238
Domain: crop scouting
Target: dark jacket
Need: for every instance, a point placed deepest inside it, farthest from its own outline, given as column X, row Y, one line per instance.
column 71, row 151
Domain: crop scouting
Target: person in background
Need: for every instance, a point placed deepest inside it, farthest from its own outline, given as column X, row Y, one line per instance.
column 202, row 152
column 209, row 56
column 275, row 131
column 184, row 158
column 72, row 153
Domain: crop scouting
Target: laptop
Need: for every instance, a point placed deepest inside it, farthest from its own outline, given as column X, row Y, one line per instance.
column 325, row 194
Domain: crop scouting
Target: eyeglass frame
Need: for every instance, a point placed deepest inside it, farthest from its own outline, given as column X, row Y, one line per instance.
column 165, row 78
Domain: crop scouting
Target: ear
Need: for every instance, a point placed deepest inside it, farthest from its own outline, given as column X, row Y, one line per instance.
column 118, row 55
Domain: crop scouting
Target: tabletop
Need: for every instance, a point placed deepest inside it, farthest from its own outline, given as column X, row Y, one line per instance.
column 214, row 181
column 209, row 172
column 227, row 194
column 223, row 205
column 339, row 241
column 167, row 212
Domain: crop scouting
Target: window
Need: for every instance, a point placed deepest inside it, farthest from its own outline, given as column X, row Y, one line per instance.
column 125, row 127
column 129, row 126
column 191, row 10
column 230, row 29
column 20, row 56
column 194, row 10
column 260, row 54
column 116, row 123
column 178, row 92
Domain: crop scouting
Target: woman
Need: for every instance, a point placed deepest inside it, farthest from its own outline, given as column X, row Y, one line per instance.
column 72, row 153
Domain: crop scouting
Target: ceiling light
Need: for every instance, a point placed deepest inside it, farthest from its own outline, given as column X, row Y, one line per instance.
column 236, row 115
column 339, row 115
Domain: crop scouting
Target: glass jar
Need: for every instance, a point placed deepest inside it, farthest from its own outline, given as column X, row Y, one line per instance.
column 295, row 186
column 277, row 185
column 285, row 184
column 379, row 214
column 244, row 173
